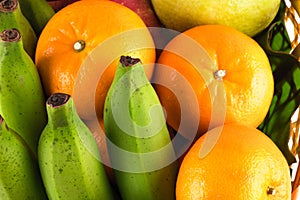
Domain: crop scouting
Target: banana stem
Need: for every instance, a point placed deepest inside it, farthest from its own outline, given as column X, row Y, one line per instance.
column 8, row 5
column 10, row 35
column 58, row 106
column 128, row 61
column 58, row 99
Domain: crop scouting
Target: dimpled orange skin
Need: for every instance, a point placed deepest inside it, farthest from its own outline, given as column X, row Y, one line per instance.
column 244, row 164
column 248, row 83
column 93, row 21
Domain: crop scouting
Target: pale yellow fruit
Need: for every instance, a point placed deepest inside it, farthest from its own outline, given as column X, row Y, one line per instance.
column 248, row 16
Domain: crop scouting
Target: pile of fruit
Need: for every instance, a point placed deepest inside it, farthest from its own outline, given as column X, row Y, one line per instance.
column 149, row 99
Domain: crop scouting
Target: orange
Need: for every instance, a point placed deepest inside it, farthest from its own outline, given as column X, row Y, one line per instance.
column 242, row 164
column 79, row 48
column 213, row 74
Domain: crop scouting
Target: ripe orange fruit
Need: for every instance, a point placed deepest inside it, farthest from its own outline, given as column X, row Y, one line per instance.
column 227, row 72
column 243, row 164
column 79, row 48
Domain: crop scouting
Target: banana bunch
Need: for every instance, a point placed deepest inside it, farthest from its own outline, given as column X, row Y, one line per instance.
column 22, row 102
column 28, row 16
column 138, row 141
column 22, row 106
column 11, row 16
column 46, row 150
column 19, row 177
column 68, row 155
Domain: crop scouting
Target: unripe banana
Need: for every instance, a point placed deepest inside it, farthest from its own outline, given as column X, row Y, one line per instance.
column 22, row 101
column 138, row 140
column 68, row 155
column 38, row 13
column 19, row 173
column 11, row 16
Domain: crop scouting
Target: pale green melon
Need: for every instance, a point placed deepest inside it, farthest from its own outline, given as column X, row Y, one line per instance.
column 248, row 16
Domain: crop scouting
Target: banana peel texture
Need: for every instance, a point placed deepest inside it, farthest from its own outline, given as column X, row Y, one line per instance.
column 19, row 172
column 138, row 141
column 68, row 155
column 38, row 13
column 22, row 101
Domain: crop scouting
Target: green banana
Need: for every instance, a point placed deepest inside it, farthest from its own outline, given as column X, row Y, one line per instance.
column 38, row 13
column 22, row 101
column 19, row 173
column 68, row 155
column 138, row 141
column 11, row 16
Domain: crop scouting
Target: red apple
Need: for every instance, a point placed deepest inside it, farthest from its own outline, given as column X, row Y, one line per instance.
column 59, row 4
column 146, row 12
column 144, row 9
